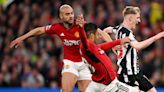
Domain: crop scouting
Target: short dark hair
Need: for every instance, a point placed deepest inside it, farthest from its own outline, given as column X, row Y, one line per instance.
column 90, row 28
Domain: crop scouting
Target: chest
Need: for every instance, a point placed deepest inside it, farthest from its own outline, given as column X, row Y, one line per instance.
column 71, row 34
column 69, row 37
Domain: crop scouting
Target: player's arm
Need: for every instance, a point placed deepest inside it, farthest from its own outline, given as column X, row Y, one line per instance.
column 83, row 38
column 143, row 44
column 106, row 37
column 108, row 30
column 80, row 21
column 34, row 32
column 109, row 45
column 49, row 29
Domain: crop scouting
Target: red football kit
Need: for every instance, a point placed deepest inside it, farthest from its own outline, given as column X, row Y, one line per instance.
column 70, row 39
column 95, row 56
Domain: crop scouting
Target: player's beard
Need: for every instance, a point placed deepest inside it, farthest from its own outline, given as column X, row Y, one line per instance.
column 69, row 23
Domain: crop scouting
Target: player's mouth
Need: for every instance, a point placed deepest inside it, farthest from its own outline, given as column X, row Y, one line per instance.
column 71, row 20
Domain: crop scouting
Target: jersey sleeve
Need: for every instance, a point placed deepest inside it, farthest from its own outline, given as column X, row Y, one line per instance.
column 126, row 33
column 83, row 38
column 132, row 37
column 109, row 45
column 114, row 30
column 51, row 29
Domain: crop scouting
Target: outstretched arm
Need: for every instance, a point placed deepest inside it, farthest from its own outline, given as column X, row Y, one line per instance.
column 104, row 35
column 109, row 45
column 35, row 32
column 143, row 44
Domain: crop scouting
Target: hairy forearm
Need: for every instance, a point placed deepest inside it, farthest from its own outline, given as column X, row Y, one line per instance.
column 33, row 32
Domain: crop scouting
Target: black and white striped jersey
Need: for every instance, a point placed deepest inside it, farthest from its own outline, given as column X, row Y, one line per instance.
column 127, row 55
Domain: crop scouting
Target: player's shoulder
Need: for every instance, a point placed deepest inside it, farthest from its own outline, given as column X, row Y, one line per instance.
column 54, row 26
column 57, row 24
column 125, row 30
column 117, row 27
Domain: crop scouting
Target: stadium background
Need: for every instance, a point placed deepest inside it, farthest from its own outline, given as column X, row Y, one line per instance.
column 37, row 63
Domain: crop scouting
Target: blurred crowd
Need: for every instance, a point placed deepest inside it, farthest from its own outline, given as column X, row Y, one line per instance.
column 38, row 61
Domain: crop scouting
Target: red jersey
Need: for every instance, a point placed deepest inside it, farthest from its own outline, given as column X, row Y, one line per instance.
column 95, row 56
column 70, row 39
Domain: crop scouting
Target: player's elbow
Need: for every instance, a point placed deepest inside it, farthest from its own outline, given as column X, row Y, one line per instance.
column 39, row 30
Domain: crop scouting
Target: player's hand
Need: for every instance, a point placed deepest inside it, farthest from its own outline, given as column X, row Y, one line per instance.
column 15, row 43
column 80, row 20
column 100, row 33
column 125, row 40
column 118, row 47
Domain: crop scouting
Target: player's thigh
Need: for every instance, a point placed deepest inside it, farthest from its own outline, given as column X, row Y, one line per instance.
column 69, row 76
column 84, row 78
column 68, row 81
column 83, row 84
column 84, row 72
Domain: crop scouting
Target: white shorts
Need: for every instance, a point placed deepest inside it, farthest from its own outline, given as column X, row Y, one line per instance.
column 114, row 86
column 78, row 68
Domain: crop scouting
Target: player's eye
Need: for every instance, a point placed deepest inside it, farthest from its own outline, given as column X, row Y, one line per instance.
column 72, row 13
column 67, row 14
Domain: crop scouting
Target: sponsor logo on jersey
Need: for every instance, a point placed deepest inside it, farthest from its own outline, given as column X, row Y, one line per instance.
column 71, row 42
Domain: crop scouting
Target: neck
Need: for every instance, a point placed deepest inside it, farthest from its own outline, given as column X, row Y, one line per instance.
column 126, row 25
column 67, row 25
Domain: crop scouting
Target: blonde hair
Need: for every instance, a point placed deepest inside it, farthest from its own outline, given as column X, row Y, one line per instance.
column 130, row 10
column 64, row 6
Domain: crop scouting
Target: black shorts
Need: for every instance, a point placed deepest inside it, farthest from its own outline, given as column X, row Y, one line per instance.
column 143, row 83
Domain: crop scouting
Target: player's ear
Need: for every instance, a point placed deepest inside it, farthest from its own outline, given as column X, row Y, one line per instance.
column 61, row 16
column 130, row 18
